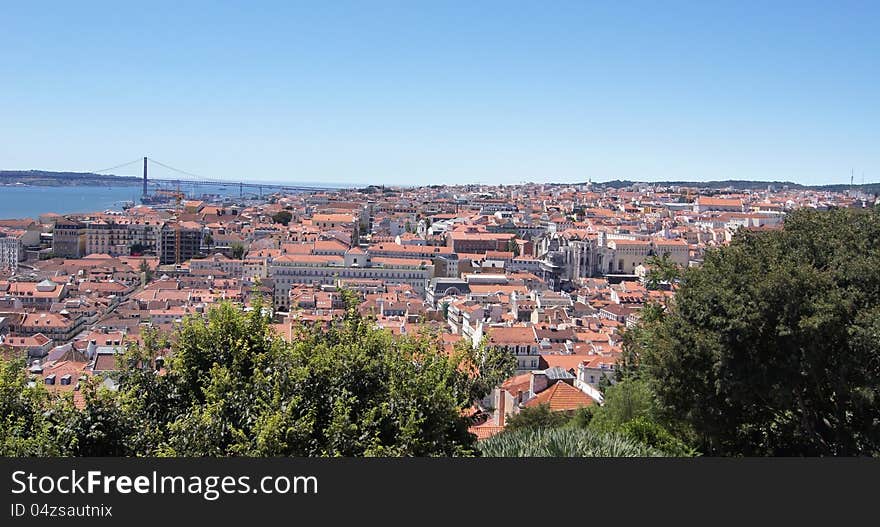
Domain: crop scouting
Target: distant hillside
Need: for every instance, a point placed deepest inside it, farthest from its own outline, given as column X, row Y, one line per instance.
column 737, row 184
column 45, row 178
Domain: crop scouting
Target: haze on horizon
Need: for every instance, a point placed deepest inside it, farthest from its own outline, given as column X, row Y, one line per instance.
column 398, row 93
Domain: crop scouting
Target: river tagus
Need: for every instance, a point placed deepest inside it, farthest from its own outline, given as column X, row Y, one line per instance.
column 20, row 201
column 30, row 202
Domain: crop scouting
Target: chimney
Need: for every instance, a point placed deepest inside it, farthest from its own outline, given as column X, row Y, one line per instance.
column 381, row 302
column 502, row 403
column 91, row 349
column 538, row 382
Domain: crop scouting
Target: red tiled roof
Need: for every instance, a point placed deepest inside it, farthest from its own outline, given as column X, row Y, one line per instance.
column 485, row 431
column 560, row 397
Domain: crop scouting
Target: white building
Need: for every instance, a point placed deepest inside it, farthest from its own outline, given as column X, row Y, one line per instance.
column 11, row 251
column 357, row 264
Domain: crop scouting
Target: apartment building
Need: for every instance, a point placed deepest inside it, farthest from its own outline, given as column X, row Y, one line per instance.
column 445, row 261
column 476, row 240
column 107, row 237
column 179, row 241
column 69, row 238
column 39, row 296
column 219, row 263
column 519, row 341
column 312, row 269
column 122, row 238
column 11, row 250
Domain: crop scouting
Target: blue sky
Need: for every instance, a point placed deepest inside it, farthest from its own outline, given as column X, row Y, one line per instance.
column 421, row 93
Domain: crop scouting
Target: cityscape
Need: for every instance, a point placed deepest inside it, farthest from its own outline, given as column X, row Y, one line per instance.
column 487, row 232
column 552, row 276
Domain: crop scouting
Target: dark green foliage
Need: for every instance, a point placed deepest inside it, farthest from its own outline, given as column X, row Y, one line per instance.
column 27, row 414
column 772, row 347
column 513, row 247
column 283, row 217
column 582, row 417
column 649, row 432
column 627, row 400
column 145, row 268
column 663, row 272
column 536, row 417
column 233, row 388
column 630, row 409
column 237, row 251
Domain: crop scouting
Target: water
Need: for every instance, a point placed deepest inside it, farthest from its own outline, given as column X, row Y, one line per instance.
column 30, row 202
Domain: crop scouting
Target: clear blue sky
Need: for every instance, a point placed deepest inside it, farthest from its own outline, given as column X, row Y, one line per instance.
column 418, row 92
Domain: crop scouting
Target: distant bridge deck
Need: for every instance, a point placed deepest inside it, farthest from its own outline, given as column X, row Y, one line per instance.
column 243, row 185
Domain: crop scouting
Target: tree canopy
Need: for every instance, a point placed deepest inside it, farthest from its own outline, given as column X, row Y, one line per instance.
column 772, row 346
column 536, row 417
column 232, row 387
column 282, row 216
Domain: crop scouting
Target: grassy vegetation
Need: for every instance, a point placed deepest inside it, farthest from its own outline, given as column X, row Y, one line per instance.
column 564, row 442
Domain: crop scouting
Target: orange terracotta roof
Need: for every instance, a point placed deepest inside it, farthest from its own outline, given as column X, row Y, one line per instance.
column 485, row 431
column 561, row 397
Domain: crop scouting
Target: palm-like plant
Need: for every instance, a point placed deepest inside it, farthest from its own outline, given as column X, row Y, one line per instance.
column 564, row 442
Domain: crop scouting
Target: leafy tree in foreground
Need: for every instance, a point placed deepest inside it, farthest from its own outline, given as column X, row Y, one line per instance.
column 27, row 424
column 663, row 271
column 625, row 401
column 772, row 347
column 233, row 387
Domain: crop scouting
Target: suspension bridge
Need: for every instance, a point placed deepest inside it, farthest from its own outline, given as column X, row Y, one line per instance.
column 189, row 179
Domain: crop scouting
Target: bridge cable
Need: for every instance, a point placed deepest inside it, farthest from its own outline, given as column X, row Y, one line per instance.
column 184, row 172
column 115, row 167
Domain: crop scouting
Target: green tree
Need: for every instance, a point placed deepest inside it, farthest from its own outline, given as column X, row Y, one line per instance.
column 283, row 217
column 29, row 415
column 237, row 251
column 649, row 432
column 233, row 387
column 624, row 401
column 144, row 268
column 582, row 417
column 630, row 409
column 536, row 417
column 513, row 247
column 771, row 347
column 663, row 271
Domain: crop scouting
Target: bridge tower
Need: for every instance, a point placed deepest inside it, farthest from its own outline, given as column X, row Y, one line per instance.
column 145, row 177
